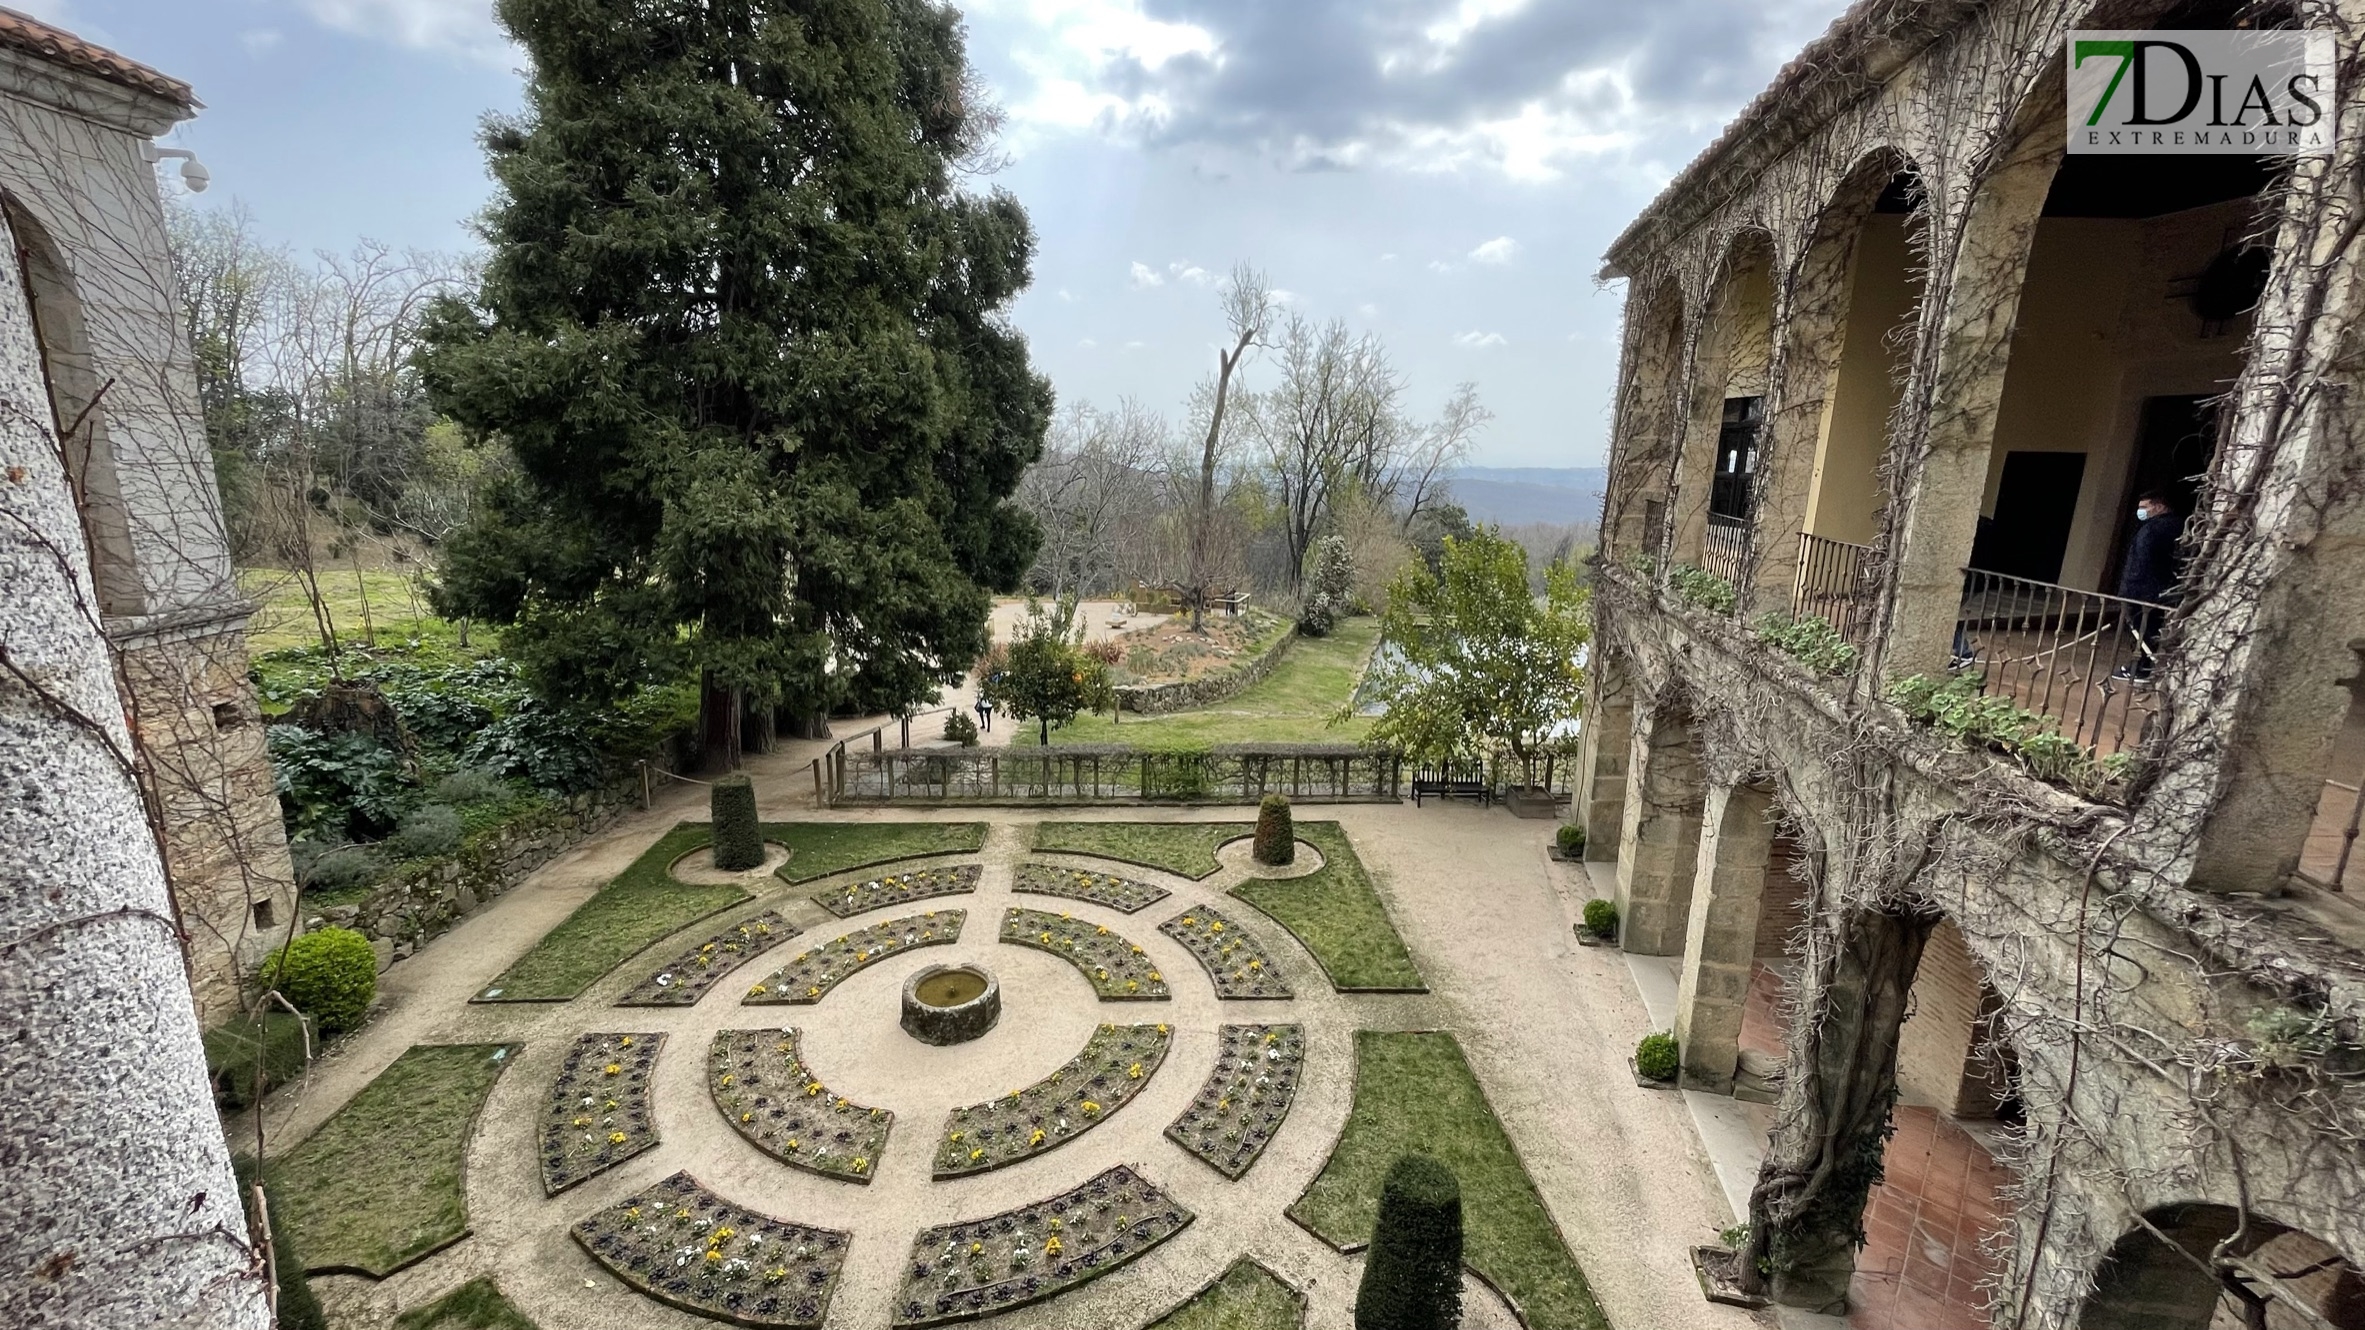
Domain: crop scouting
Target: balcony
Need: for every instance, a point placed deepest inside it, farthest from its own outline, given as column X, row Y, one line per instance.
column 1834, row 585
column 2081, row 659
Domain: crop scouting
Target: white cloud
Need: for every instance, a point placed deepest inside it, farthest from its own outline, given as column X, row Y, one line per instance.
column 1501, row 249
column 1185, row 271
column 1065, row 297
column 1387, row 258
column 1135, row 346
column 460, row 27
column 260, row 41
column 1367, row 311
column 1076, row 47
column 1480, row 340
column 1440, row 265
column 1283, row 296
column 1144, row 275
column 1089, row 343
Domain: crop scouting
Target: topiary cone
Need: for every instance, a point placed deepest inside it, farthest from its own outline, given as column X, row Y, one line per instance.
column 1276, row 835
column 1412, row 1276
column 738, row 841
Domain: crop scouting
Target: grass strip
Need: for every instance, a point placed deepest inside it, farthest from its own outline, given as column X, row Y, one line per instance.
column 1336, row 913
column 642, row 906
column 1415, row 1092
column 380, row 1184
column 475, row 1305
column 818, row 849
column 1185, row 849
column 1293, row 704
column 1245, row 1297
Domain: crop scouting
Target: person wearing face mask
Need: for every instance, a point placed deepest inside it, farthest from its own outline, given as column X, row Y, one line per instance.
column 2150, row 573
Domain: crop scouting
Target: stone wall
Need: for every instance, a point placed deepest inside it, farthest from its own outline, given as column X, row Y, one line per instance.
column 1156, row 699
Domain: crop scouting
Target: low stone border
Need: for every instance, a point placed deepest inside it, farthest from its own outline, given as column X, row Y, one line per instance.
column 897, row 889
column 682, row 1245
column 1236, row 960
column 1121, row 894
column 1239, row 855
column 1156, row 699
column 959, row 1272
column 1240, row 1109
column 760, row 1082
column 688, row 977
column 598, row 1113
column 1116, row 1064
column 1118, row 970
column 809, row 976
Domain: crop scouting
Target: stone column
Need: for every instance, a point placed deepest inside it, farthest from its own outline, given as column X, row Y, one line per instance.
column 1659, row 837
column 1600, row 802
column 1720, row 941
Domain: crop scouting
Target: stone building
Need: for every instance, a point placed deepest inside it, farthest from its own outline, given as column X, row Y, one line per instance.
column 78, row 185
column 1895, row 370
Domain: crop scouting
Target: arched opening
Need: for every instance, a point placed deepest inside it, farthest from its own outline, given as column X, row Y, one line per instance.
column 1635, row 520
column 2201, row 1267
column 1659, row 831
column 1731, row 376
column 1880, row 300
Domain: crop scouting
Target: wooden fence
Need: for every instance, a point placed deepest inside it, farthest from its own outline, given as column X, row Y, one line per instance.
column 1107, row 773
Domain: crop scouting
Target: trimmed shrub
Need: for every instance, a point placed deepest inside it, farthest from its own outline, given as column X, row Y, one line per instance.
column 1571, row 840
column 429, row 831
column 330, row 974
column 333, row 866
column 299, row 1309
column 738, row 841
column 1601, row 918
column 1655, row 1058
column 1412, row 1276
column 1276, row 835
column 960, row 729
column 271, row 1043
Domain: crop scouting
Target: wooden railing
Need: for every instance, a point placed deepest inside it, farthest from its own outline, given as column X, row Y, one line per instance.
column 1109, row 773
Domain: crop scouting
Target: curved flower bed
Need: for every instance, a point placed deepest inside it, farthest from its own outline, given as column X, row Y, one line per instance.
column 897, row 889
column 1118, row 969
column 681, row 1244
column 598, row 1112
column 811, row 973
column 961, row 1271
column 1235, row 1115
column 1121, row 894
column 1233, row 957
column 1116, row 1063
column 762, row 1085
column 687, row 977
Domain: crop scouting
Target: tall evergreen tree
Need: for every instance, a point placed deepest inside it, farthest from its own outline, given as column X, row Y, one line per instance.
column 745, row 334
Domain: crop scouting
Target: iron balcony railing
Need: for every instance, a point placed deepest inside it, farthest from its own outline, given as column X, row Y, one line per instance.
column 1727, row 549
column 2082, row 658
column 1834, row 585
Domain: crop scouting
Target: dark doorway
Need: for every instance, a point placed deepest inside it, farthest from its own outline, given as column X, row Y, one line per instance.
column 2034, row 506
column 1736, row 458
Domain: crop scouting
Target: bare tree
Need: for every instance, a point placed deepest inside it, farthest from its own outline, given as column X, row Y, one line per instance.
column 1097, row 480
column 1248, row 307
column 1332, row 420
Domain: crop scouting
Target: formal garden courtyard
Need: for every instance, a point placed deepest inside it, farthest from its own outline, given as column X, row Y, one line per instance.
column 641, row 1091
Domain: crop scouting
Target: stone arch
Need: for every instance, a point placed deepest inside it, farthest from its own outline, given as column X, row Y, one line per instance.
column 77, row 407
column 1634, row 510
column 2194, row 1265
column 1659, row 826
column 1731, row 371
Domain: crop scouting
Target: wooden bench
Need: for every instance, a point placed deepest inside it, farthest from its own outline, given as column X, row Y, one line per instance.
column 1429, row 782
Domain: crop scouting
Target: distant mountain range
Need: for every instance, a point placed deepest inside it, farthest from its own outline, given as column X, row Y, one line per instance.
column 1513, row 495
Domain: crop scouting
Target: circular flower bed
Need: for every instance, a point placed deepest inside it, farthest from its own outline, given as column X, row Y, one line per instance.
column 813, row 972
column 1116, row 1064
column 598, row 1112
column 687, row 977
column 960, row 1271
column 1123, row 895
column 1118, row 969
column 681, row 1244
column 1234, row 957
column 763, row 1087
column 897, row 889
column 1234, row 1116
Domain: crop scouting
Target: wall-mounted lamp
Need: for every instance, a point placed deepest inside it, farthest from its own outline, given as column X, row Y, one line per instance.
column 193, row 172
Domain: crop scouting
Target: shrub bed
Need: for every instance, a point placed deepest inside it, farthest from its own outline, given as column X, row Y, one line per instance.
column 897, row 889
column 810, row 974
column 1117, row 1062
column 1235, row 1114
column 681, row 1244
column 1234, row 958
column 330, row 974
column 598, row 1113
column 686, row 978
column 960, row 1271
column 761, row 1083
column 1123, row 895
column 1118, row 969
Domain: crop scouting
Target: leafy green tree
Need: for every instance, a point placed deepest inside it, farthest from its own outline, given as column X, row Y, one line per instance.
column 1045, row 676
column 1474, row 660
column 747, row 341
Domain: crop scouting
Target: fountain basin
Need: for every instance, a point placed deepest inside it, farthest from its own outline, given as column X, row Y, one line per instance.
column 951, row 1004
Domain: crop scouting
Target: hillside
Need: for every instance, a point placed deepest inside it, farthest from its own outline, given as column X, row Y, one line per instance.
column 1513, row 495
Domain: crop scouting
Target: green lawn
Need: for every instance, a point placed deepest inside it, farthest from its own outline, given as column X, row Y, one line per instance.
column 1248, row 1297
column 475, row 1305
column 1416, row 1092
column 1338, row 916
column 1293, row 704
column 379, row 1184
column 818, row 849
column 1184, row 848
column 384, row 607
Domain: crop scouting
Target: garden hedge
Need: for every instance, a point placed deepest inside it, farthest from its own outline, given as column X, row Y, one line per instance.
column 1276, row 838
column 330, row 974
column 1412, row 1275
column 738, row 840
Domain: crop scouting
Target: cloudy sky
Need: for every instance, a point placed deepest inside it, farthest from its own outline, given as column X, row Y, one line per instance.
column 1443, row 172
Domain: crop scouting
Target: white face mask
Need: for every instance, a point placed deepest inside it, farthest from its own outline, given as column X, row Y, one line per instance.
column 2142, row 512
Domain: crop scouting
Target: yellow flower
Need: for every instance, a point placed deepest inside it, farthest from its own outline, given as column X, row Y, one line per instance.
column 975, row 1155
column 747, row 1117
column 1272, row 1036
column 1055, row 1223
column 1133, row 1072
column 1156, row 977
column 758, row 991
column 1102, row 931
column 1037, row 1138
column 723, row 1235
column 1161, row 1029
column 713, row 1255
column 632, row 1214
column 1131, row 985
column 725, row 1082
column 794, row 1144
column 954, row 1139
column 625, row 1042
column 583, row 1122
column 860, row 1163
column 1189, row 920
column 1216, row 926
column 1090, row 1106
column 1051, row 1245
column 613, row 1069
column 814, row 991
column 1046, row 938
column 812, row 1088
column 615, row 1138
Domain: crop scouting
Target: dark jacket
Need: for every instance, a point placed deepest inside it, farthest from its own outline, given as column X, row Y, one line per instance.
column 2154, row 561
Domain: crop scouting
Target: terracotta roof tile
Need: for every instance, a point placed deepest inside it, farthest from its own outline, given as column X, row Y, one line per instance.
column 26, row 33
